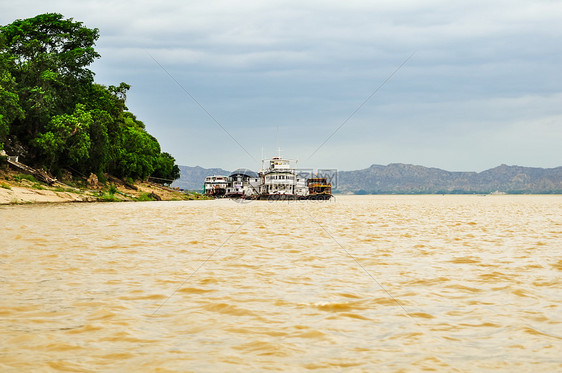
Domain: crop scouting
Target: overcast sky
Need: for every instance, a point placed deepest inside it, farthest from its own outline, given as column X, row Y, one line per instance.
column 482, row 86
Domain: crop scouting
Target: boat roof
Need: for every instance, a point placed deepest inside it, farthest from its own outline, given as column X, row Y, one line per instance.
column 244, row 172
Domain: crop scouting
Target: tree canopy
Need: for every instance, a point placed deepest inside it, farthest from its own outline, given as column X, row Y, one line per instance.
column 55, row 116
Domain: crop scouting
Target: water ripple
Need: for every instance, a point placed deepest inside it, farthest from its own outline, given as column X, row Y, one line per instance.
column 369, row 283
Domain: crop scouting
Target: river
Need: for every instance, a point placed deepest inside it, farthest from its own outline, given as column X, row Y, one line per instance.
column 358, row 284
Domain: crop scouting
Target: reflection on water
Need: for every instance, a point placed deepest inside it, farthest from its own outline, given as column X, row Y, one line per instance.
column 369, row 283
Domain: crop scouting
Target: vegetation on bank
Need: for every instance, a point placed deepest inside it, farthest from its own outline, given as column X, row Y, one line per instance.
column 55, row 117
column 20, row 188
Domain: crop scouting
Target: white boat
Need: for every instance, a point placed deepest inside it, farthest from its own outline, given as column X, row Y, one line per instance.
column 215, row 186
column 279, row 180
column 242, row 183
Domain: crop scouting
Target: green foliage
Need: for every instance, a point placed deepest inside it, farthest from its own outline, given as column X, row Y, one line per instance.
column 50, row 104
column 99, row 143
column 20, row 177
column 48, row 58
column 145, row 197
column 69, row 190
column 166, row 169
column 108, row 197
column 101, row 178
column 5, row 186
column 66, row 140
column 10, row 109
column 139, row 153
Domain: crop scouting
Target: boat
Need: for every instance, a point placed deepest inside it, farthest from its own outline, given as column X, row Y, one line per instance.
column 279, row 179
column 319, row 188
column 215, row 186
column 241, row 183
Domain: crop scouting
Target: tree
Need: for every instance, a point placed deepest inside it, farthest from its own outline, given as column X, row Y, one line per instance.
column 57, row 116
column 48, row 58
column 66, row 141
column 9, row 105
column 10, row 108
column 139, row 153
column 99, row 141
column 166, row 168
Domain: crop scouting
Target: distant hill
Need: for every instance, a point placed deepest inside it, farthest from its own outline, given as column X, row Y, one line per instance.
column 407, row 178
column 192, row 178
column 410, row 179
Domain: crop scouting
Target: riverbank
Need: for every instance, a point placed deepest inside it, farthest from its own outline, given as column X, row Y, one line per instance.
column 18, row 188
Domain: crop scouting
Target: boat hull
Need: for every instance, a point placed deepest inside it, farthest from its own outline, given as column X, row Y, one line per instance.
column 277, row 197
column 319, row 197
column 291, row 197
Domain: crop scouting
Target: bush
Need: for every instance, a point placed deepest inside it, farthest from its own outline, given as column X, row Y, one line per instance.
column 20, row 177
column 107, row 197
column 68, row 190
column 101, row 177
column 145, row 197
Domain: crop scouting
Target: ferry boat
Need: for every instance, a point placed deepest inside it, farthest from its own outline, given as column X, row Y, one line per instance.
column 241, row 183
column 278, row 179
column 319, row 188
column 215, row 186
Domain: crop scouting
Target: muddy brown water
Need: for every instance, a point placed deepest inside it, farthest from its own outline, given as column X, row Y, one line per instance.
column 359, row 284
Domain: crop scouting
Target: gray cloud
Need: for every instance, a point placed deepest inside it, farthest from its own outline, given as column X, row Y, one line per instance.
column 482, row 89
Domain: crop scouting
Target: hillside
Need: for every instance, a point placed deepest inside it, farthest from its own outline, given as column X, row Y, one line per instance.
column 192, row 178
column 407, row 178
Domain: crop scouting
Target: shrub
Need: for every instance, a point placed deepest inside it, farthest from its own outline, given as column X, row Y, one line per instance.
column 107, row 197
column 101, row 177
column 145, row 197
column 20, row 177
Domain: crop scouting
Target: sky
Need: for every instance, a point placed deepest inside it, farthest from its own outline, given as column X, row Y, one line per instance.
column 457, row 85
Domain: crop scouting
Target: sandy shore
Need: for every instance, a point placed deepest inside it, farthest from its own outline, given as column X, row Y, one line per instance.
column 19, row 195
column 17, row 190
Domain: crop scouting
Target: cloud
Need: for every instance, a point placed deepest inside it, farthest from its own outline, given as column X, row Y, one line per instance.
column 482, row 69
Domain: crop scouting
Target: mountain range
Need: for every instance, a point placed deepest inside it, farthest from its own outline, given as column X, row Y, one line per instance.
column 402, row 178
column 407, row 178
column 192, row 178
